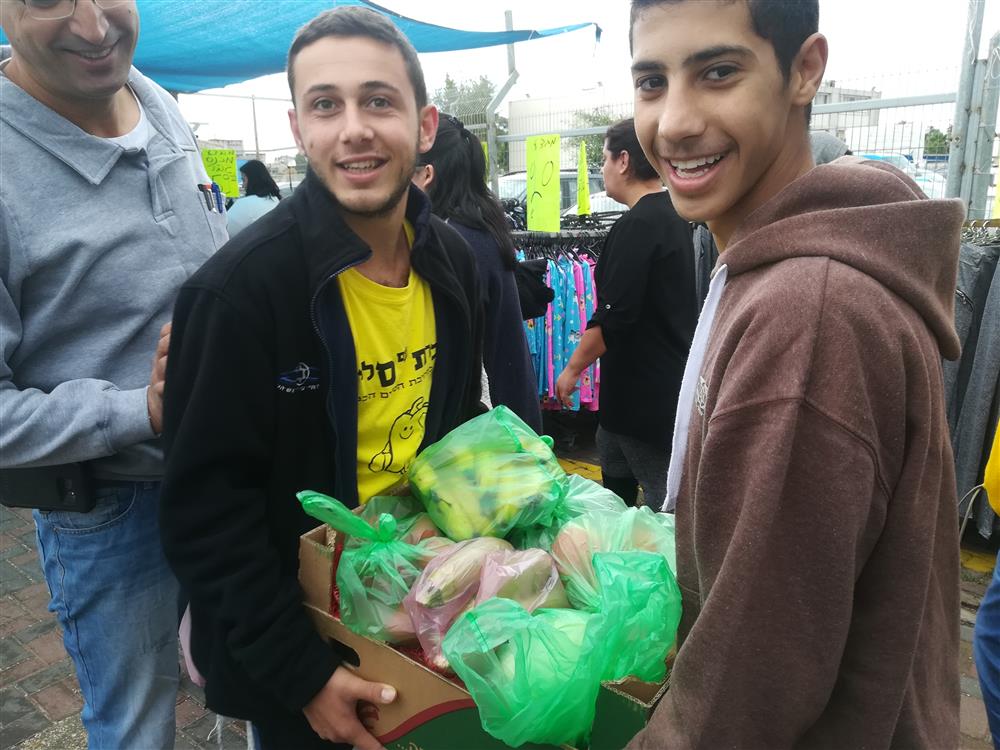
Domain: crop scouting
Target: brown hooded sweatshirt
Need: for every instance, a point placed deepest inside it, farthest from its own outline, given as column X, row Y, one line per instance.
column 817, row 540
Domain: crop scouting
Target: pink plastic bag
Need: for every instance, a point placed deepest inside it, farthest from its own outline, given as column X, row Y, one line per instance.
column 184, row 634
column 528, row 577
column 447, row 588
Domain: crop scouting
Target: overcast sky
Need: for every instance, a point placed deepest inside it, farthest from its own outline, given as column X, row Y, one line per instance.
column 901, row 47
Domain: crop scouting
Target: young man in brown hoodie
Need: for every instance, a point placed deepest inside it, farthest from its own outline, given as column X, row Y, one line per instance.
column 817, row 544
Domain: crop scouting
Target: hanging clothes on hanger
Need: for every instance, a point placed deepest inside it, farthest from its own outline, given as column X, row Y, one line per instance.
column 972, row 390
column 553, row 337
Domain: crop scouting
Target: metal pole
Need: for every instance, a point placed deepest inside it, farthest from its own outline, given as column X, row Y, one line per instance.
column 491, row 109
column 508, row 18
column 959, row 130
column 256, row 143
column 981, row 177
column 972, row 130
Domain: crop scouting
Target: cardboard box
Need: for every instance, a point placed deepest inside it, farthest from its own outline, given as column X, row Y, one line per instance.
column 623, row 708
column 431, row 712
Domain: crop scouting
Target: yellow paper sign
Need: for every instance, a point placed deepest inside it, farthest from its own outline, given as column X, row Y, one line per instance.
column 486, row 157
column 220, row 163
column 996, row 204
column 582, row 183
column 543, row 183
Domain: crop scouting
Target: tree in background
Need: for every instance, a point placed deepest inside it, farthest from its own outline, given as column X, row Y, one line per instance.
column 936, row 142
column 595, row 143
column 468, row 100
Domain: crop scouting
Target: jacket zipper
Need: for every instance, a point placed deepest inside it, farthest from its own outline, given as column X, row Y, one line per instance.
column 319, row 333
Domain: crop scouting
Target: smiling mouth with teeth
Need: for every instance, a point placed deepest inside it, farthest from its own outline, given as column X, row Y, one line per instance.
column 695, row 167
column 96, row 55
column 362, row 166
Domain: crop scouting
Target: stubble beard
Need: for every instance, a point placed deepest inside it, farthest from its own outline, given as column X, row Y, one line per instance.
column 389, row 204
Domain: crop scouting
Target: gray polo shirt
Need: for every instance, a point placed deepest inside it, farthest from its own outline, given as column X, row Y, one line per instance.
column 95, row 240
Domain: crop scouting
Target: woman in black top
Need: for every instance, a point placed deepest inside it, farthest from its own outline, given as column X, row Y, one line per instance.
column 453, row 174
column 642, row 327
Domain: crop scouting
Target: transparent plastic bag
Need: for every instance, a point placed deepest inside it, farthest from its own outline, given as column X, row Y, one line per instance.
column 529, row 577
column 534, row 677
column 487, row 477
column 399, row 507
column 412, row 522
column 603, row 531
column 376, row 571
column 446, row 588
column 582, row 496
column 640, row 596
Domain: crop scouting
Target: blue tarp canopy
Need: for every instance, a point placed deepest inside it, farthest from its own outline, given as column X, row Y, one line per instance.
column 189, row 46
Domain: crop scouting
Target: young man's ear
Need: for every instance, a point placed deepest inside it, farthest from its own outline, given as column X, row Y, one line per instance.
column 808, row 69
column 293, row 122
column 428, row 128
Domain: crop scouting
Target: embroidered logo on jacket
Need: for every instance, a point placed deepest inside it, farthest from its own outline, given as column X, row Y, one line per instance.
column 701, row 396
column 302, row 377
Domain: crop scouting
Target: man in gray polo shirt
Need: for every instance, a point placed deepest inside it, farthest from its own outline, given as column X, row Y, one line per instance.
column 101, row 221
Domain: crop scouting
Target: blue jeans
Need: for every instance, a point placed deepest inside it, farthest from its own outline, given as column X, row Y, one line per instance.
column 986, row 649
column 116, row 600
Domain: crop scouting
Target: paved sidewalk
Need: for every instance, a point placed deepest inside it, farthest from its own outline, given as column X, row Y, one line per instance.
column 40, row 701
column 39, row 698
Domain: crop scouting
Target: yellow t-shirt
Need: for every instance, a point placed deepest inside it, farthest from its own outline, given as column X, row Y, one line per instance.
column 396, row 343
column 991, row 478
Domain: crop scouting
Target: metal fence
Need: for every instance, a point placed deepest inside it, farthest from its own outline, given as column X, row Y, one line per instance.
column 913, row 130
column 256, row 127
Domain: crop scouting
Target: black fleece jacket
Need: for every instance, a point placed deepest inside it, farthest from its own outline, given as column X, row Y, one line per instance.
column 261, row 402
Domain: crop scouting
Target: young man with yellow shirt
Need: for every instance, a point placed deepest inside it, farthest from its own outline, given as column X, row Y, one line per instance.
column 319, row 349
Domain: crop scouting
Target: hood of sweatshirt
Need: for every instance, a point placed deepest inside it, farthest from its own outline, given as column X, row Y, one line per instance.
column 870, row 216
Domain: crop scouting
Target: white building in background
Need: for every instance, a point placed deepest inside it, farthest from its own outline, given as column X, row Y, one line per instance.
column 559, row 115
column 896, row 131
column 838, row 123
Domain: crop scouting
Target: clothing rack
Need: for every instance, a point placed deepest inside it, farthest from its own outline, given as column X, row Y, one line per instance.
column 569, row 242
column 983, row 233
column 972, row 396
column 584, row 237
column 564, row 234
column 570, row 257
column 602, row 220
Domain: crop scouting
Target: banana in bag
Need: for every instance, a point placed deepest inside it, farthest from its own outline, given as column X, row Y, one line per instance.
column 487, row 477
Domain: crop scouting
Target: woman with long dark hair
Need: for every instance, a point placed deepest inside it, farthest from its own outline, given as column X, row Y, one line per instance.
column 261, row 194
column 453, row 174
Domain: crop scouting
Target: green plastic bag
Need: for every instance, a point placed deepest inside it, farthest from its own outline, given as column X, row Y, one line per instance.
column 399, row 507
column 413, row 525
column 582, row 496
column 533, row 677
column 642, row 601
column 487, row 477
column 374, row 576
column 603, row 531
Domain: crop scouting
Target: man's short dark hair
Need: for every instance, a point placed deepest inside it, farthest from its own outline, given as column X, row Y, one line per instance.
column 359, row 22
column 621, row 137
column 786, row 24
